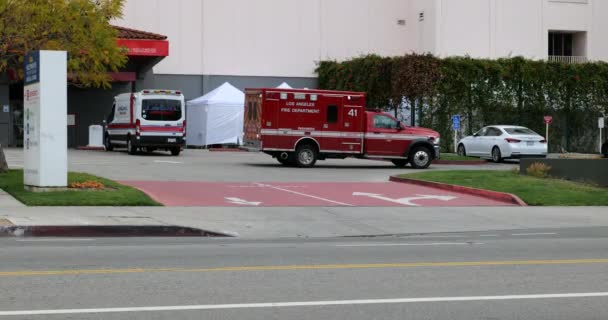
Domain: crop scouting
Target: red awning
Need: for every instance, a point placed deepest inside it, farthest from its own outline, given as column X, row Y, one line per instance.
column 142, row 43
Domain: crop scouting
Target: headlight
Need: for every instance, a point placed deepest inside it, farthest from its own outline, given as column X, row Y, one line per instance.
column 437, row 140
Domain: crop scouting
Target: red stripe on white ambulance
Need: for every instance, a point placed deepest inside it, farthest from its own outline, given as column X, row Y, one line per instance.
column 146, row 121
column 299, row 127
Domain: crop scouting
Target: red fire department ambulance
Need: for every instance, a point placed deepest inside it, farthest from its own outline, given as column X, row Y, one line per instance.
column 299, row 127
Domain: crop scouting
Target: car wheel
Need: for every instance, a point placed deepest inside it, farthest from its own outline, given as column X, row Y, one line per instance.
column 131, row 149
column 306, row 156
column 462, row 151
column 420, row 158
column 399, row 163
column 176, row 151
column 108, row 144
column 496, row 155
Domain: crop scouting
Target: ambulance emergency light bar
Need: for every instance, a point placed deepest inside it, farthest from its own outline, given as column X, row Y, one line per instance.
column 162, row 92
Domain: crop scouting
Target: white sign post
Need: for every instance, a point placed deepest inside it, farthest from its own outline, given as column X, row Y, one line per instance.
column 601, row 125
column 548, row 121
column 456, row 127
column 45, row 121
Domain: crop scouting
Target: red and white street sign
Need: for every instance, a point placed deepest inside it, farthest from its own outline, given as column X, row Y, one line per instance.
column 548, row 119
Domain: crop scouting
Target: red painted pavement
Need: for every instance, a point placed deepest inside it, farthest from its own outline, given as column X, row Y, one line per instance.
column 384, row 194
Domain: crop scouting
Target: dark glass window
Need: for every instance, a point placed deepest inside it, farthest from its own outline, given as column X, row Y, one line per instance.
column 161, row 109
column 561, row 44
column 385, row 122
column 111, row 115
column 332, row 114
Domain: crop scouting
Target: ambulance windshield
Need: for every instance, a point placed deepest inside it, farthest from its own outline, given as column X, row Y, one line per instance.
column 161, row 110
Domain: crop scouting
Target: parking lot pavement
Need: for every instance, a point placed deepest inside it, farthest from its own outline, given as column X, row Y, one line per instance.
column 342, row 194
column 205, row 166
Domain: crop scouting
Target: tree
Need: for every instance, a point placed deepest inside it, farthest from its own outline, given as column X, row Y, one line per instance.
column 80, row 27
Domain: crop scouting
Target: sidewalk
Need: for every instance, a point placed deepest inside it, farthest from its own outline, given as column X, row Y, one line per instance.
column 290, row 222
column 7, row 201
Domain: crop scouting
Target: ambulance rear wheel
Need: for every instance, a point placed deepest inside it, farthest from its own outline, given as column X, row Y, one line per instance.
column 284, row 162
column 131, row 149
column 306, row 156
column 420, row 157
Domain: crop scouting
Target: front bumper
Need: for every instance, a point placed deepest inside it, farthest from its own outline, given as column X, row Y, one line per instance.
column 159, row 142
column 437, row 152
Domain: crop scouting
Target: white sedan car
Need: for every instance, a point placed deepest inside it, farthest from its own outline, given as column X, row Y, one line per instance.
column 504, row 142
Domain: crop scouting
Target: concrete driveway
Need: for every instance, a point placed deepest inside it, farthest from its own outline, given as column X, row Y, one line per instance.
column 205, row 166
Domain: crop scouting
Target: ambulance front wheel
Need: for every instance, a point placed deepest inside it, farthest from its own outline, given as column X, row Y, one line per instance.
column 306, row 156
column 131, row 148
column 108, row 144
column 420, row 157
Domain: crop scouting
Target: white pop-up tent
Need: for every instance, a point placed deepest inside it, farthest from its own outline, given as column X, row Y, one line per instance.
column 216, row 118
column 284, row 85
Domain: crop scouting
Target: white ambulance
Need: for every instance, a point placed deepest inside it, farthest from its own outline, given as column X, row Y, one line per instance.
column 147, row 121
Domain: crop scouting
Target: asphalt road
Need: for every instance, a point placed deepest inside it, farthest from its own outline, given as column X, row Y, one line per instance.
column 202, row 165
column 533, row 274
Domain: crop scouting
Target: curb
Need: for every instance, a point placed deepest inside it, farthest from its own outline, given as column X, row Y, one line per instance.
column 460, row 163
column 105, row 231
column 494, row 195
column 91, row 148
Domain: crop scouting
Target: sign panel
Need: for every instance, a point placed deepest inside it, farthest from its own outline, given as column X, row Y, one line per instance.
column 145, row 48
column 45, row 121
column 456, row 122
column 71, row 120
column 31, row 73
column 601, row 123
column 6, row 108
column 548, row 119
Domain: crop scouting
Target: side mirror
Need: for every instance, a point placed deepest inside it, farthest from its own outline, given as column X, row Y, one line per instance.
column 399, row 126
column 475, row 134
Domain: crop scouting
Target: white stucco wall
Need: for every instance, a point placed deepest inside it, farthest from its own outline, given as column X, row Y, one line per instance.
column 269, row 37
column 501, row 28
column 287, row 37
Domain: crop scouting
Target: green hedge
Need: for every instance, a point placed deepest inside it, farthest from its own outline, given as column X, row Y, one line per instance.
column 505, row 91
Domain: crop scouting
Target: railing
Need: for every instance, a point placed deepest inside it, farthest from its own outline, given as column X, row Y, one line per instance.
column 568, row 59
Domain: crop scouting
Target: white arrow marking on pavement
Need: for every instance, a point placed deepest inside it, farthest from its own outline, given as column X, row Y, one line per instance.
column 404, row 201
column 242, row 202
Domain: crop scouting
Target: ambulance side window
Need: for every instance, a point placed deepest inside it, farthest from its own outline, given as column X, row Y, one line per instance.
column 332, row 114
column 111, row 115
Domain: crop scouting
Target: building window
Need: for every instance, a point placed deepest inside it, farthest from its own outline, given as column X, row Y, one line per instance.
column 567, row 46
column 560, row 44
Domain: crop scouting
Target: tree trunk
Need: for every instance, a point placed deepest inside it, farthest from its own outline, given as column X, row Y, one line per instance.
column 3, row 164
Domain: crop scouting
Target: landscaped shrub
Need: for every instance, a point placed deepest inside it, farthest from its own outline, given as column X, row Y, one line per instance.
column 484, row 92
column 538, row 170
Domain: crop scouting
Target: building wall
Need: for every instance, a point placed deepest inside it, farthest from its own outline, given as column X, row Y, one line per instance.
column 91, row 107
column 269, row 37
column 262, row 42
column 502, row 28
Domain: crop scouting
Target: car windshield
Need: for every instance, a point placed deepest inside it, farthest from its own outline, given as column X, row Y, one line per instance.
column 161, row 110
column 519, row 131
